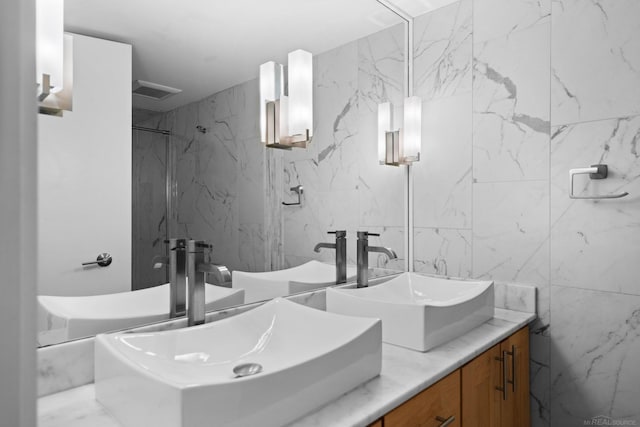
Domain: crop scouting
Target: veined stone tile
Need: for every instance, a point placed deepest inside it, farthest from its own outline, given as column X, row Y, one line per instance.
column 442, row 251
column 594, row 356
column 502, row 18
column 442, row 178
column 510, row 234
column 595, row 60
column 595, row 244
column 443, row 51
column 511, row 107
column 381, row 69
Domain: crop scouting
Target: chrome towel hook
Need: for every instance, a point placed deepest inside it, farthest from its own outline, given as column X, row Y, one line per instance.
column 595, row 172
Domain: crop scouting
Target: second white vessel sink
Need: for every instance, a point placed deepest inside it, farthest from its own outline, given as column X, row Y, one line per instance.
column 418, row 312
column 83, row 316
column 305, row 277
column 185, row 377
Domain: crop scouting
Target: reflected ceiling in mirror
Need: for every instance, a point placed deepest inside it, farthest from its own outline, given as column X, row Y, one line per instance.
column 203, row 47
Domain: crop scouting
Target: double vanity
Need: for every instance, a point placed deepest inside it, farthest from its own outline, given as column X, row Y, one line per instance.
column 406, row 348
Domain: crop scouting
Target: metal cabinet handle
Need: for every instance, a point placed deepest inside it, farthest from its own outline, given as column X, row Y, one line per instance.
column 513, row 368
column 445, row 422
column 103, row 260
column 503, row 360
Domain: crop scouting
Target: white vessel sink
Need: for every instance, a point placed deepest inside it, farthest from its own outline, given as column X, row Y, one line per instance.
column 89, row 315
column 271, row 284
column 418, row 312
column 184, row 378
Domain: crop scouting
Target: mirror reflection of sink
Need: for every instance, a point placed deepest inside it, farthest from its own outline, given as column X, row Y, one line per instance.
column 296, row 359
column 271, row 284
column 63, row 318
column 419, row 312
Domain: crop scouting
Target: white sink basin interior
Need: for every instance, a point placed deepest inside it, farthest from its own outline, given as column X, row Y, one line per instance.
column 76, row 317
column 185, row 377
column 419, row 312
column 305, row 277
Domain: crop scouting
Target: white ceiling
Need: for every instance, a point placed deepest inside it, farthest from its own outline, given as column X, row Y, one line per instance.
column 205, row 46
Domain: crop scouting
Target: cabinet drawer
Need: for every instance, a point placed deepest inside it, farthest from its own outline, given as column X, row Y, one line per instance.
column 431, row 408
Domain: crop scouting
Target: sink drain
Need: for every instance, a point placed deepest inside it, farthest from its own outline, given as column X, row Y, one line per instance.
column 247, row 369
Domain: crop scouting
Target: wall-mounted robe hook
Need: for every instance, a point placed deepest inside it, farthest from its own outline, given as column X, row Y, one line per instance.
column 595, row 172
column 298, row 189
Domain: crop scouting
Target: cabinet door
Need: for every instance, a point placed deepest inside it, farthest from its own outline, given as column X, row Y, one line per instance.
column 439, row 405
column 481, row 401
column 515, row 410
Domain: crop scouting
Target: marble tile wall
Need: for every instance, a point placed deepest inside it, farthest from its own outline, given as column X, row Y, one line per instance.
column 516, row 93
column 219, row 175
column 230, row 189
column 345, row 187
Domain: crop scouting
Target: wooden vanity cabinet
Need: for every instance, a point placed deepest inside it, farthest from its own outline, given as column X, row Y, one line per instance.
column 495, row 385
column 474, row 396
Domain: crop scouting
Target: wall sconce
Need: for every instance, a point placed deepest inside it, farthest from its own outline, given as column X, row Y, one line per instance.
column 54, row 58
column 286, row 116
column 400, row 145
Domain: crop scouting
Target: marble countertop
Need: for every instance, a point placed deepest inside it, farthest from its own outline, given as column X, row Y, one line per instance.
column 404, row 374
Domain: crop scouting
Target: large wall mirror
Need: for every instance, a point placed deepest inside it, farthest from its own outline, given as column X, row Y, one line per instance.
column 123, row 180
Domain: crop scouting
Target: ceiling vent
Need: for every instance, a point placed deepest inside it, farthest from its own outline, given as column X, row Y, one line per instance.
column 153, row 90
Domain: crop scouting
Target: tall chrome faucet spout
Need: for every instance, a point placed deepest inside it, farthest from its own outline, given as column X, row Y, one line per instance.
column 387, row 251
column 195, row 284
column 177, row 263
column 340, row 247
column 324, row 245
column 216, row 274
column 363, row 256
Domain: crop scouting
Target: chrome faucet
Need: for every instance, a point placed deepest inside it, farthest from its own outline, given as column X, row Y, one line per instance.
column 362, row 277
column 198, row 268
column 195, row 284
column 177, row 263
column 340, row 247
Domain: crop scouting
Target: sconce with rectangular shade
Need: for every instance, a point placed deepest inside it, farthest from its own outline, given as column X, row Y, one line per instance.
column 286, row 117
column 400, row 146
column 54, row 58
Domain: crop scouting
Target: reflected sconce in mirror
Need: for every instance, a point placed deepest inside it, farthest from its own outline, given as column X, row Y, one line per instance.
column 286, row 102
column 400, row 145
column 54, row 58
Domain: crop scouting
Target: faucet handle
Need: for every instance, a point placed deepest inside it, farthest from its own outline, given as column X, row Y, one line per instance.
column 180, row 244
column 338, row 233
column 366, row 234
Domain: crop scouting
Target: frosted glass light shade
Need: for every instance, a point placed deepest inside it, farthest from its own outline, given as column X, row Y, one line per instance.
column 300, row 93
column 50, row 42
column 385, row 123
column 412, row 129
column 271, row 88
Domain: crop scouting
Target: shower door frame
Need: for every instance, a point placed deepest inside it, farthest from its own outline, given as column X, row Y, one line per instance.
column 170, row 195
